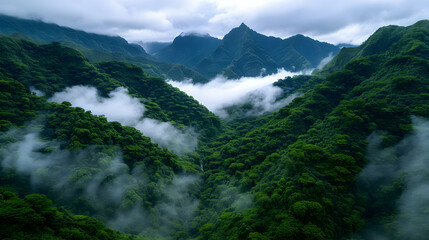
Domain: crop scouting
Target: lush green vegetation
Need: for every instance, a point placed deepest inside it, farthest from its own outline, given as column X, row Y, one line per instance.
column 292, row 174
column 35, row 217
column 51, row 68
column 83, row 147
column 178, row 106
column 86, row 149
column 300, row 165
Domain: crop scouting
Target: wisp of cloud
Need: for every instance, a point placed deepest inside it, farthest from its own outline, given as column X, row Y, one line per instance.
column 408, row 161
column 127, row 110
column 221, row 92
column 100, row 181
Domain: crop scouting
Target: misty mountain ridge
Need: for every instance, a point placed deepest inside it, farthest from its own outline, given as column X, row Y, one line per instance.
column 244, row 52
column 188, row 49
column 96, row 47
column 49, row 32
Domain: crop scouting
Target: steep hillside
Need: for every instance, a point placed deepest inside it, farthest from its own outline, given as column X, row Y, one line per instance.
column 346, row 160
column 244, row 52
column 35, row 217
column 76, row 159
column 293, row 176
column 176, row 104
column 384, row 39
column 95, row 47
column 188, row 49
column 51, row 68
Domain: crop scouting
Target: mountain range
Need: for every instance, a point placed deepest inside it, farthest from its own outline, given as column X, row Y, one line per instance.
column 244, row 52
column 188, row 49
column 347, row 159
column 95, row 47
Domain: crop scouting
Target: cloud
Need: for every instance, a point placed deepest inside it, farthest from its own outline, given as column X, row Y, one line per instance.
column 127, row 110
column 324, row 61
column 162, row 20
column 169, row 136
column 118, row 107
column 96, row 181
column 405, row 165
column 221, row 93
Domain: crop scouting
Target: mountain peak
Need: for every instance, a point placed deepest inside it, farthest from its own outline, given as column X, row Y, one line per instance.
column 243, row 26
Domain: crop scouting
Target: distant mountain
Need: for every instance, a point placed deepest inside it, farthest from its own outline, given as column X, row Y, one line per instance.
column 244, row 52
column 47, row 33
column 96, row 47
column 153, row 47
column 188, row 49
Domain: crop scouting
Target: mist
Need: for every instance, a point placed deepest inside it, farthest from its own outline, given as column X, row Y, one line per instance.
column 221, row 93
column 324, row 61
column 129, row 111
column 405, row 167
column 97, row 182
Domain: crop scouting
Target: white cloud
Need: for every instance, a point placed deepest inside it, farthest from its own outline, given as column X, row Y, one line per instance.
column 331, row 20
column 127, row 110
column 118, row 107
column 221, row 92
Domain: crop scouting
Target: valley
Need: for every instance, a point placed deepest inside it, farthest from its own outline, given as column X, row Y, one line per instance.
column 244, row 137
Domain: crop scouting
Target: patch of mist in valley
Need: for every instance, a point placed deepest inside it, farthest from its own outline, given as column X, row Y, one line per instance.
column 221, row 94
column 96, row 182
column 129, row 111
column 397, row 179
column 324, row 61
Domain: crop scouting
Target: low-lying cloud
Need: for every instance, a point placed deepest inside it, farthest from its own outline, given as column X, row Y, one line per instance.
column 98, row 183
column 405, row 165
column 221, row 93
column 324, row 61
column 127, row 110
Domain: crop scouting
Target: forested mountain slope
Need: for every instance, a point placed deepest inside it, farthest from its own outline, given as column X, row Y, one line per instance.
column 343, row 161
column 384, row 39
column 299, row 168
column 78, row 160
column 51, row 68
column 95, row 47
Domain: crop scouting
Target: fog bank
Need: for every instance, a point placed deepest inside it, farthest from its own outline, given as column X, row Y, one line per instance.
column 221, row 93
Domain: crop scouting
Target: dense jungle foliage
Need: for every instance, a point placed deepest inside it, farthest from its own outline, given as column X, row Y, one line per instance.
column 297, row 173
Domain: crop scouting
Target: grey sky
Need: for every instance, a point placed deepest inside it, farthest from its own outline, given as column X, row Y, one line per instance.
column 334, row 21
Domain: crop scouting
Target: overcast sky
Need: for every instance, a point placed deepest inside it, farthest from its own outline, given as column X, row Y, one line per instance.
column 334, row 21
